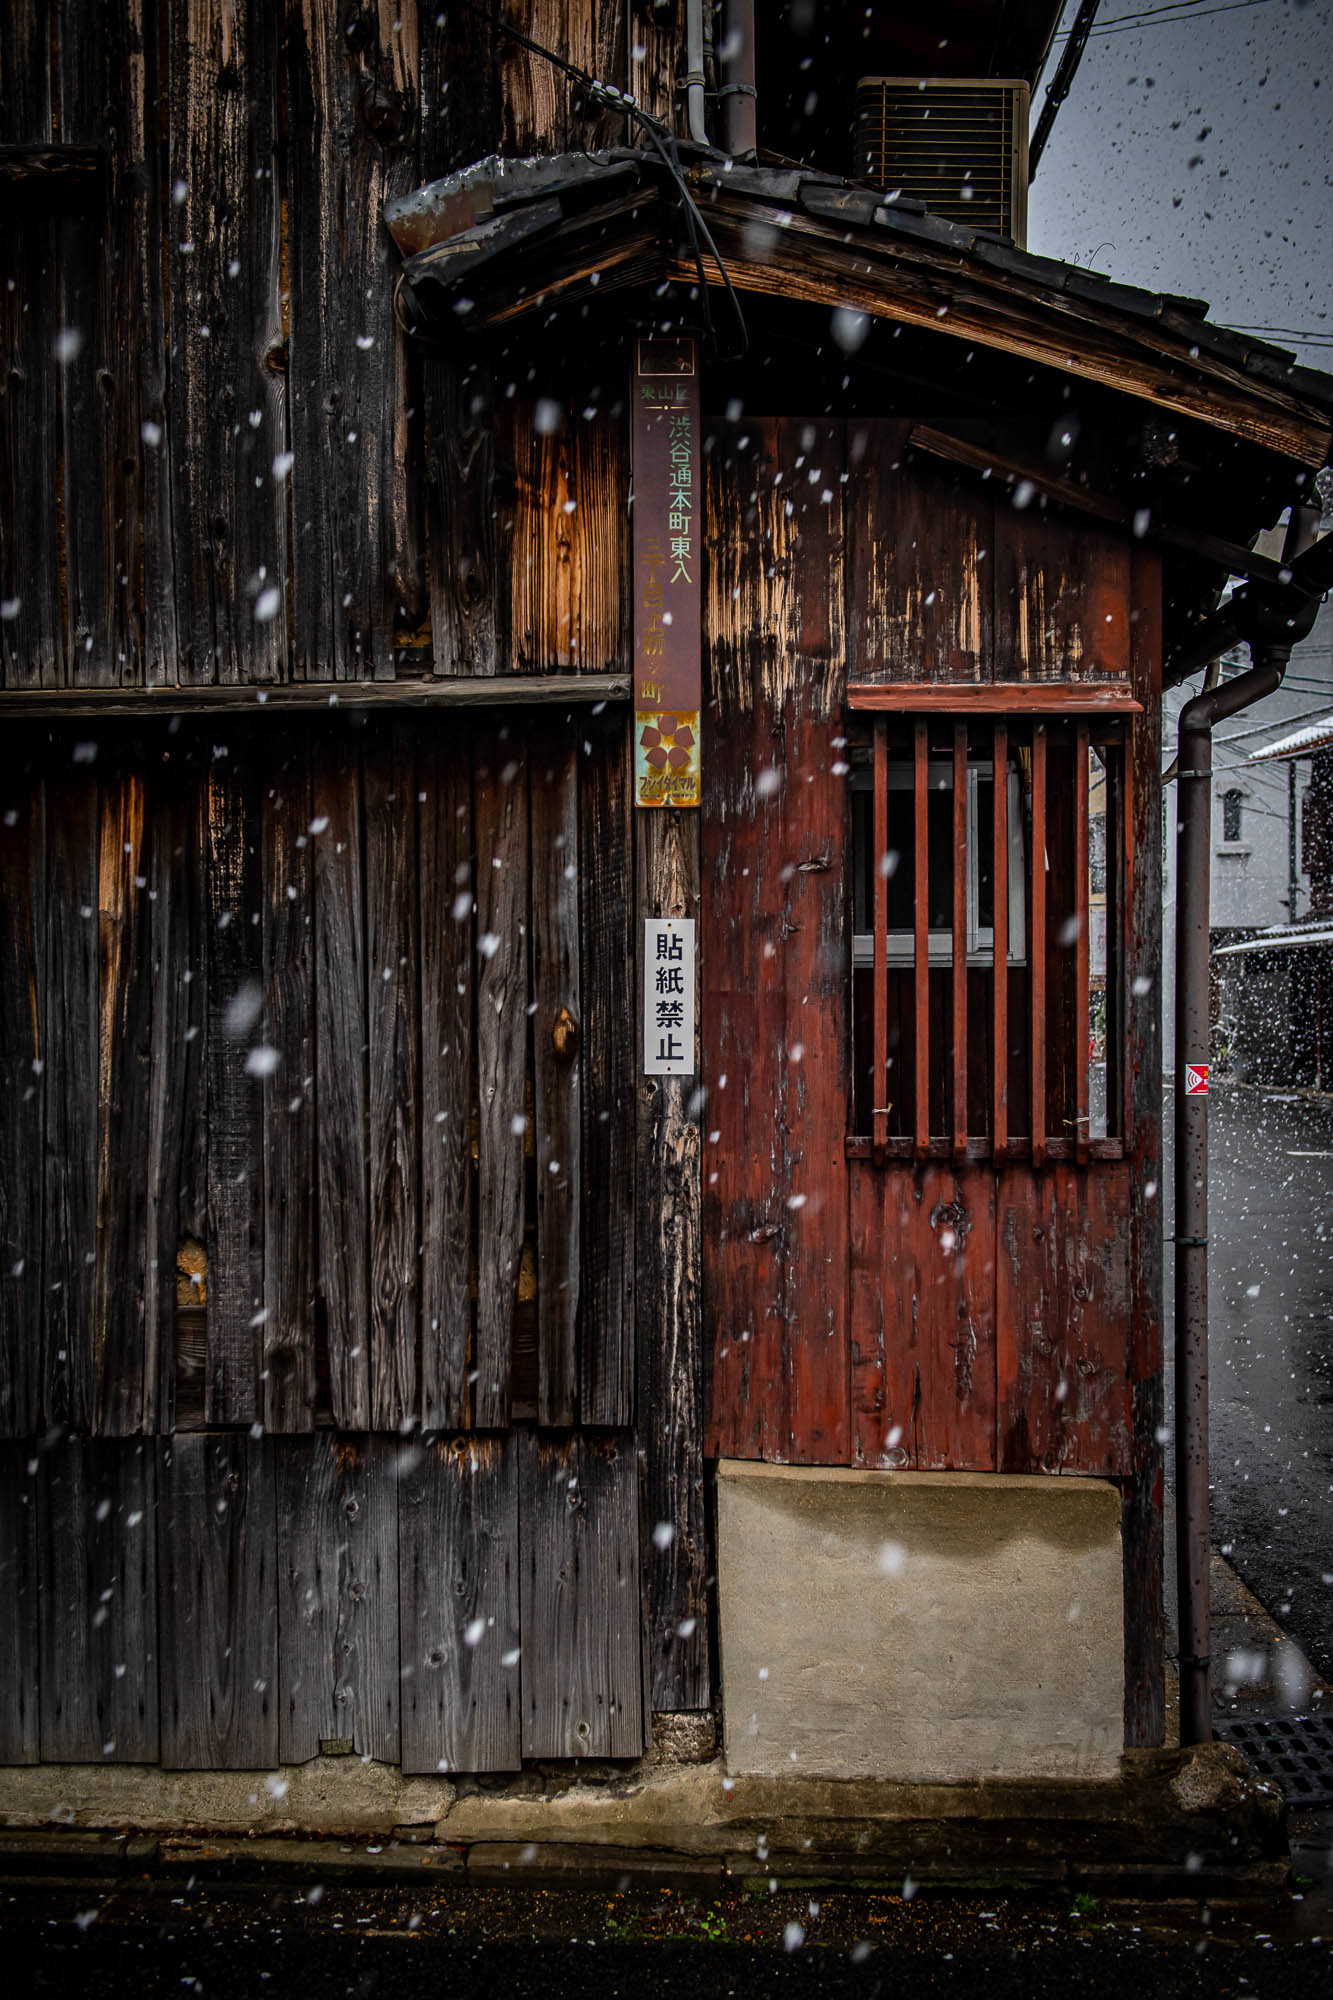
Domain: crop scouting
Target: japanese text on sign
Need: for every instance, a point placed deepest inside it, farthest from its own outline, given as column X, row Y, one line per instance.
column 667, row 502
column 668, row 996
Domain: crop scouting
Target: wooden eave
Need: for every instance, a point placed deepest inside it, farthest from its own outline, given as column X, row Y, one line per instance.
column 561, row 230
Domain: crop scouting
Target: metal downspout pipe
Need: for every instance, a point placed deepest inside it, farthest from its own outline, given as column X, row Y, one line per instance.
column 694, row 71
column 738, row 91
column 1271, row 633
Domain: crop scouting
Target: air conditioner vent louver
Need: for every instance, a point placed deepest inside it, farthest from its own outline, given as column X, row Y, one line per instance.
column 960, row 146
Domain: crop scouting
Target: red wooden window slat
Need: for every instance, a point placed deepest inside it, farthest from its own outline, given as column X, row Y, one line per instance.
column 959, row 953
column 1037, row 966
column 921, row 937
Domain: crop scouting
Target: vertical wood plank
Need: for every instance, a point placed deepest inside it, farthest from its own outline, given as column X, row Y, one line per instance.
column 23, row 1033
column 103, row 279
column 288, row 1109
column 235, row 1097
column 176, row 1175
column 1037, row 955
column 570, row 542
column 606, row 1333
column 460, row 109
column 1142, row 1518
column 1061, row 596
column 1062, row 1318
column 458, row 1569
column 336, row 1501
column 217, row 1603
column 230, row 509
column 579, row 1598
column 340, row 1077
column 557, row 1027
column 392, row 987
column 69, row 1236
column 656, row 55
column 1081, row 945
column 921, row 933
column 124, row 1330
column 1000, row 953
column 99, row 1680
column 541, row 110
column 469, row 532
column 32, row 642
column 920, row 584
column 351, row 123
column 448, row 962
column 923, row 1318
column 958, row 954
column 880, row 1087
column 501, row 794
column 19, row 1629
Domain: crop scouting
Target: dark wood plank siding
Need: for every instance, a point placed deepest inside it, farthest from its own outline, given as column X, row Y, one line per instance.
column 337, row 1538
column 228, row 401
column 20, row 1673
column 340, row 1079
column 69, row 1234
column 469, row 530
column 99, row 1678
column 606, row 1333
column 236, row 1059
column 217, row 1603
column 23, row 1034
column 570, row 550
column 501, row 796
column 542, row 111
column 393, row 1004
column 458, row 1565
column 448, row 966
column 557, row 1065
column 351, row 110
column 582, row 1685
column 125, row 1331
column 288, row 1108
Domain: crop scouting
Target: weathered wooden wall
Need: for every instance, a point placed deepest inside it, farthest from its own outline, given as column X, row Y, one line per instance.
column 243, row 454
column 274, row 1007
column 978, row 1314
column 222, row 1601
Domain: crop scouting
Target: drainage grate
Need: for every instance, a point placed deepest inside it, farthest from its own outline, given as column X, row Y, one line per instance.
column 1296, row 1751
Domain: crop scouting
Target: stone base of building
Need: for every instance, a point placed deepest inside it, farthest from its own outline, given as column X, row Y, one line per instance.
column 932, row 1628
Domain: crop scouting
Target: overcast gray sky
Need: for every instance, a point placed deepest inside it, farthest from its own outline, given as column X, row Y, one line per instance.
column 1195, row 154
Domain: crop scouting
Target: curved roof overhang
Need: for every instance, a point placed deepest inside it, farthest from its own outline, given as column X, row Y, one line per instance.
column 508, row 240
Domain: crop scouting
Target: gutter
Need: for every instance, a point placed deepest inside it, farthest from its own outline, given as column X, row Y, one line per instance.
column 1270, row 621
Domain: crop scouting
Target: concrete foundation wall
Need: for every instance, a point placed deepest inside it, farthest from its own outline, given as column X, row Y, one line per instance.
column 922, row 1627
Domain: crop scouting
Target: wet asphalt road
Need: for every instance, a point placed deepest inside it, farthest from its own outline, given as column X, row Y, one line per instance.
column 1271, row 1353
column 651, row 1946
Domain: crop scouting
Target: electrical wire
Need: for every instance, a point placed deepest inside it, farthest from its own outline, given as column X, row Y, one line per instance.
column 1149, row 17
column 663, row 140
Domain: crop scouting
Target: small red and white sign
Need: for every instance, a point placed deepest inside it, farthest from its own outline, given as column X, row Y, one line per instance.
column 1196, row 1079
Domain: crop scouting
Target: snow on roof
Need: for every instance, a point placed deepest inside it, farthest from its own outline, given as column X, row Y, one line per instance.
column 1279, row 937
column 1316, row 735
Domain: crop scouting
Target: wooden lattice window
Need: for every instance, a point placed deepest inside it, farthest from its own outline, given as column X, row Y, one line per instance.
column 990, row 874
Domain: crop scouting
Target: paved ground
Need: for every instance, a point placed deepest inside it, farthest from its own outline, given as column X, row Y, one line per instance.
column 1271, row 1353
column 133, row 1942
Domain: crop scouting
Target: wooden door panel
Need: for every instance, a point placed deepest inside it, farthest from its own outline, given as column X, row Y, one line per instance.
column 1062, row 1313
column 923, row 1318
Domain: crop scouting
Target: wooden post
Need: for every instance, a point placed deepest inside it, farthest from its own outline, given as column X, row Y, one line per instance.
column 1081, row 1109
column 880, row 1085
column 1000, row 943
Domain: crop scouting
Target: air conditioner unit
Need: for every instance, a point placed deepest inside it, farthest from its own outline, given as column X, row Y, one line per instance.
column 959, row 145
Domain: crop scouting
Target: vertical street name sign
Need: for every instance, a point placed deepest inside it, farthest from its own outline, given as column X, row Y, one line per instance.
column 668, row 996
column 668, row 548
